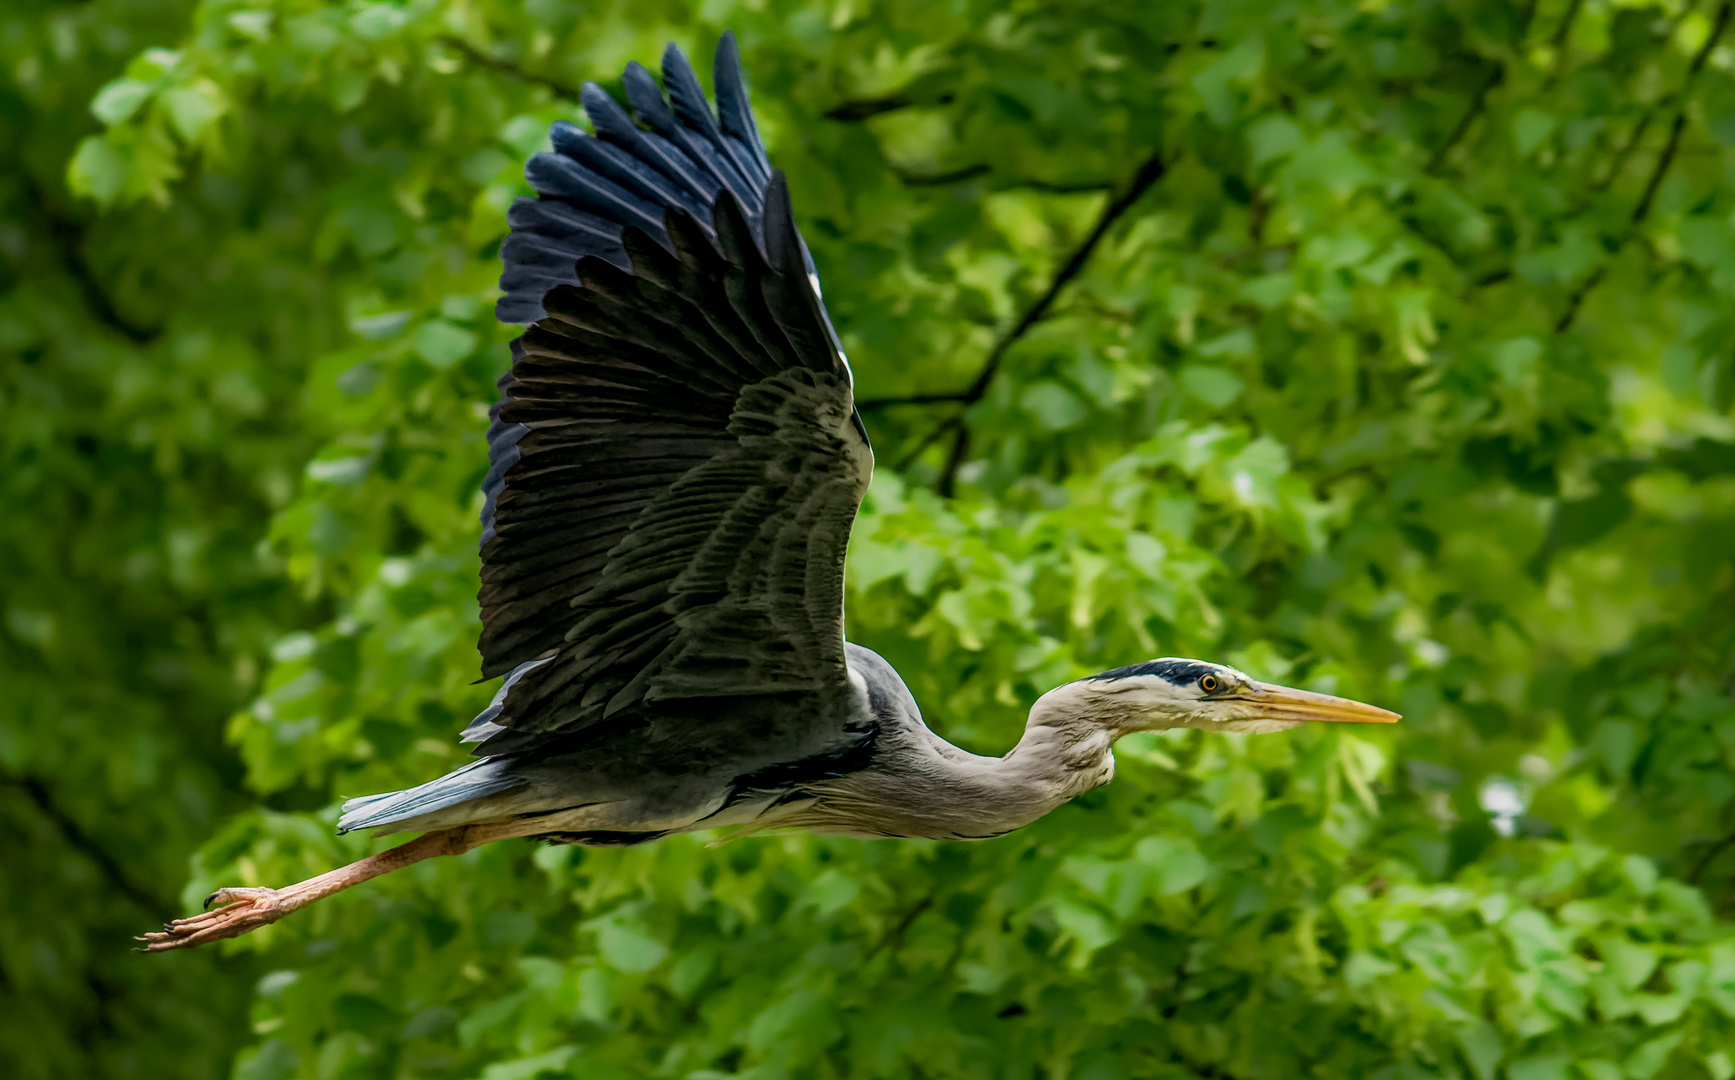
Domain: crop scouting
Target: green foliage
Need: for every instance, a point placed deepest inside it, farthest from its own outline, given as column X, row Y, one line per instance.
column 1410, row 378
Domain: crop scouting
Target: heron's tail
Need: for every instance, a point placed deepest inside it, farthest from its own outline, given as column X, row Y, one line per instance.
column 418, row 807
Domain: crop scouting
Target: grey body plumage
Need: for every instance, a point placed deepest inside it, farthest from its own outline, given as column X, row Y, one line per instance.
column 674, row 465
column 890, row 775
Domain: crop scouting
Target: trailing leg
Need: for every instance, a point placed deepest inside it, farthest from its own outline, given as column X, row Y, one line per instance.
column 244, row 909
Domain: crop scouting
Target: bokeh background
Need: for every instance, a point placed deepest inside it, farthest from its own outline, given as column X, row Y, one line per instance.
column 1383, row 347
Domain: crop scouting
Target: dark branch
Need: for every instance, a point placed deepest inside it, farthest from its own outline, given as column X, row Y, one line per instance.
column 971, row 172
column 76, row 838
column 1619, row 161
column 913, row 399
column 1667, row 158
column 1496, row 75
column 930, row 439
column 1258, row 210
column 1664, row 161
column 1564, row 30
column 508, row 68
column 1709, row 857
column 954, row 460
column 956, row 176
column 68, row 237
column 1083, row 187
column 894, row 938
column 1561, row 40
column 1477, row 103
column 1576, row 300
column 854, row 112
column 1149, row 173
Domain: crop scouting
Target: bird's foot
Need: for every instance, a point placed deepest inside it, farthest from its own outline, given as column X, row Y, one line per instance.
column 238, row 911
column 242, row 910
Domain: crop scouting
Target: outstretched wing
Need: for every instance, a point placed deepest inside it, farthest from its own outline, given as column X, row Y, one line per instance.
column 676, row 457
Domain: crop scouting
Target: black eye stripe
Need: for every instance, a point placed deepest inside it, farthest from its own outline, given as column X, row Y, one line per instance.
column 1177, row 671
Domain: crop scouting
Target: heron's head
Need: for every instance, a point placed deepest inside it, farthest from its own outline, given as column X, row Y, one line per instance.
column 1174, row 693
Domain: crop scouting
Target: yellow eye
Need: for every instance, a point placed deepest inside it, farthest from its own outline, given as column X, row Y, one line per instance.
column 1208, row 683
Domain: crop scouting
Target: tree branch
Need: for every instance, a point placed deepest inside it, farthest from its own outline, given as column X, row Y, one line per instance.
column 1576, row 300
column 894, row 938
column 912, row 399
column 1709, row 857
column 76, row 838
column 68, row 237
column 1563, row 31
column 1496, row 75
column 854, row 112
column 1626, row 151
column 508, row 68
column 1668, row 156
column 1665, row 160
column 1083, row 187
column 955, row 176
column 1477, row 103
column 971, row 172
column 932, row 437
column 1561, row 41
column 1149, row 173
column 949, row 475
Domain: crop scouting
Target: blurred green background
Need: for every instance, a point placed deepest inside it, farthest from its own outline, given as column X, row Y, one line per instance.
column 1393, row 354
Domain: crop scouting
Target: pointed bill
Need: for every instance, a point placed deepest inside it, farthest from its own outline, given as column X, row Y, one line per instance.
column 1271, row 702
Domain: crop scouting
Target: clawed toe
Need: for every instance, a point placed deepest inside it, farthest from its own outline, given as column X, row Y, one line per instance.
column 232, row 912
column 241, row 910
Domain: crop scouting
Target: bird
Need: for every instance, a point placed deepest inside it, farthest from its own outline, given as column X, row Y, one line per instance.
column 675, row 461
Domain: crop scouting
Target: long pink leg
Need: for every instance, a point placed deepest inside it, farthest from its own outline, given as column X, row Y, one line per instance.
column 243, row 909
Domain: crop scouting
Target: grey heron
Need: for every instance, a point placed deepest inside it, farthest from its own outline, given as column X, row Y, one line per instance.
column 676, row 460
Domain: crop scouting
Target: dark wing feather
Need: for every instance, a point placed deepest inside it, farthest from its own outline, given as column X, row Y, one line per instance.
column 675, row 460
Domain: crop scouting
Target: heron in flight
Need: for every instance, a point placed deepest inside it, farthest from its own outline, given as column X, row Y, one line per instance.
column 676, row 460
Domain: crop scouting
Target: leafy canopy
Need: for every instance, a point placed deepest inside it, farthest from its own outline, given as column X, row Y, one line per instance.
column 1390, row 355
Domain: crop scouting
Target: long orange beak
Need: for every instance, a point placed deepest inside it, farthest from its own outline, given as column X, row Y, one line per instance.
column 1286, row 703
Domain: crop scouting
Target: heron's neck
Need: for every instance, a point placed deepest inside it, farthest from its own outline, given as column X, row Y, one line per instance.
column 1055, row 762
column 1065, row 751
column 1068, row 741
column 922, row 785
column 925, row 786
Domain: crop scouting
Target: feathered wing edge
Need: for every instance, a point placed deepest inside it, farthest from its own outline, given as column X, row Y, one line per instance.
column 699, row 390
column 592, row 187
